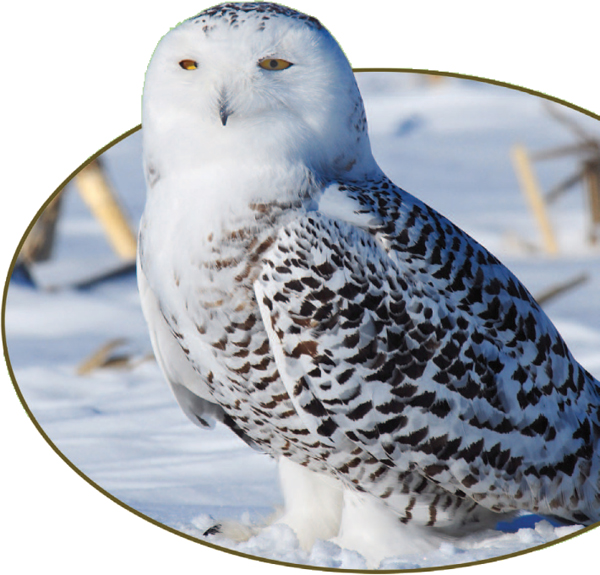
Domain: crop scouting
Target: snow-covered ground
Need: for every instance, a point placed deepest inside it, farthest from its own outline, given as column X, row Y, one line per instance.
column 447, row 143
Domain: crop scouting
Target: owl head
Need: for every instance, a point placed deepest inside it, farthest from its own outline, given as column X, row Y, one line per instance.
column 254, row 82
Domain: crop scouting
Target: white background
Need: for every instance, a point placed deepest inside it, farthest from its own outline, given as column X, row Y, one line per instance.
column 72, row 76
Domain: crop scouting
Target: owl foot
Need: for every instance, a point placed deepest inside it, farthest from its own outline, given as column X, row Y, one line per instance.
column 232, row 530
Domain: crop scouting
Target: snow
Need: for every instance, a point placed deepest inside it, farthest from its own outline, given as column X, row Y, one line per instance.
column 449, row 145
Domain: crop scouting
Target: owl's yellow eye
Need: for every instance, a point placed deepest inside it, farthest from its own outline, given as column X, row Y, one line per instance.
column 274, row 64
column 188, row 64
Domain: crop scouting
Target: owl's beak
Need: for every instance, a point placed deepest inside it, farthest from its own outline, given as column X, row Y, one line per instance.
column 224, row 113
column 224, row 110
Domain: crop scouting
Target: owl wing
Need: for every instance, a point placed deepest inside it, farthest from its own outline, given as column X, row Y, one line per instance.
column 173, row 363
column 405, row 336
column 188, row 387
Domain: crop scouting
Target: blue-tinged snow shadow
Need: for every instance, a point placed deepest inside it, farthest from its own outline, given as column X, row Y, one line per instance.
column 409, row 125
column 526, row 521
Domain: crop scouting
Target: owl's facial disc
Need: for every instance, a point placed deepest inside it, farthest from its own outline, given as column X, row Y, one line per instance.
column 223, row 101
column 271, row 64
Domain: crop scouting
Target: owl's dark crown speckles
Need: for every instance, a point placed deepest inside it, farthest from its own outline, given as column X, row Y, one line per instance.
column 234, row 13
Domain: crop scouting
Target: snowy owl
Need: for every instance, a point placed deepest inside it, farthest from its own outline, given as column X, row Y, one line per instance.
column 409, row 386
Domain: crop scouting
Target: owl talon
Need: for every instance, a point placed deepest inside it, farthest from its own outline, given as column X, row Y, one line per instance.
column 214, row 530
column 229, row 529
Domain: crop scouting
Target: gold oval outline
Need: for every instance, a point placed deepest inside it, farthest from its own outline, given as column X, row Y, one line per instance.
column 190, row 537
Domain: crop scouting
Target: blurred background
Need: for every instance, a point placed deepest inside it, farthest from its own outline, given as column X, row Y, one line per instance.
column 517, row 172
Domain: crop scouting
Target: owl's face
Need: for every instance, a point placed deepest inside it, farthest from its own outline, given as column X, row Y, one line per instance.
column 278, row 86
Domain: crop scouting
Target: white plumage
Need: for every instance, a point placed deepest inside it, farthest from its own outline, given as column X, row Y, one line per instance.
column 409, row 385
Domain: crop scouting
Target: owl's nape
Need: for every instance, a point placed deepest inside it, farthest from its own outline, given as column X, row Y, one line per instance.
column 408, row 384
